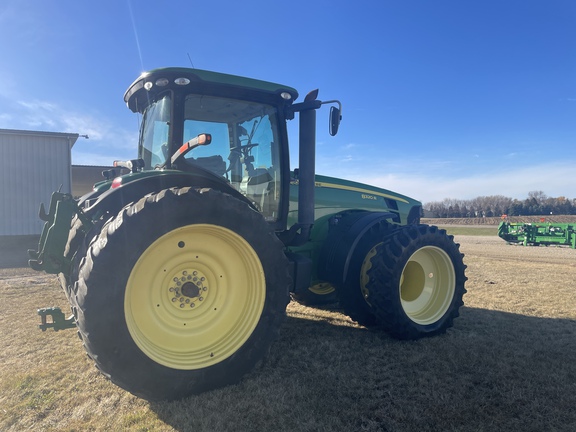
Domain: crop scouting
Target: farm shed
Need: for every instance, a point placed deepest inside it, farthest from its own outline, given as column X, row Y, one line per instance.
column 84, row 177
column 32, row 165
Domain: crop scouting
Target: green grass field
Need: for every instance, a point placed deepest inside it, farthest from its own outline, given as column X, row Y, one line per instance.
column 456, row 230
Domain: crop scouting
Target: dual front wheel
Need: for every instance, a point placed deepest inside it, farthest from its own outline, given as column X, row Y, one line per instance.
column 408, row 280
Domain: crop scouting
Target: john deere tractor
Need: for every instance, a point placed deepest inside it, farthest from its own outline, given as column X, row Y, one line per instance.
column 179, row 272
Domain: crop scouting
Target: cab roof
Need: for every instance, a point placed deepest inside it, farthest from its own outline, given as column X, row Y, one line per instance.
column 201, row 81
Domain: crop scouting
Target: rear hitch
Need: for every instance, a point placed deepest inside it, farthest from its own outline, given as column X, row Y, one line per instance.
column 59, row 321
column 49, row 256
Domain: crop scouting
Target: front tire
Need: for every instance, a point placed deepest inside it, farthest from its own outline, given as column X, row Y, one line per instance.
column 416, row 282
column 182, row 292
column 353, row 292
column 319, row 294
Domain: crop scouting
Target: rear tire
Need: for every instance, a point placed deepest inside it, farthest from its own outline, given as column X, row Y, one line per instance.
column 416, row 282
column 182, row 292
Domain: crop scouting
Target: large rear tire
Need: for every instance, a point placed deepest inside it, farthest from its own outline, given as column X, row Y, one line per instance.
column 416, row 282
column 182, row 292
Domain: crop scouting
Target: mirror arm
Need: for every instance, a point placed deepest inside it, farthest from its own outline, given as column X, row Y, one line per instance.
column 336, row 102
column 302, row 106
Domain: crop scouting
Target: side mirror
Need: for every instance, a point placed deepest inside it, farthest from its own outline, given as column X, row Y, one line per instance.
column 335, row 118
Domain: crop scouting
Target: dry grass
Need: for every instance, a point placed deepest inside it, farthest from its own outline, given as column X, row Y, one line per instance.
column 495, row 220
column 508, row 364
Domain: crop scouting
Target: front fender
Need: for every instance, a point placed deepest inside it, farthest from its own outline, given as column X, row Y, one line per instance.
column 345, row 231
column 114, row 199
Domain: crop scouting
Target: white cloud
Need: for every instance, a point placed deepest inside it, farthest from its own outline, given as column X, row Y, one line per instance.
column 48, row 116
column 106, row 141
column 554, row 179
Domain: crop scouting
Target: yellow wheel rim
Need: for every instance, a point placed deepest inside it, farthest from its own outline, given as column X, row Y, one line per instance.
column 427, row 285
column 194, row 296
column 322, row 288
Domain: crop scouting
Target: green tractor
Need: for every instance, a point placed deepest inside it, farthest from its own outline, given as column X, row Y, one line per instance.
column 179, row 272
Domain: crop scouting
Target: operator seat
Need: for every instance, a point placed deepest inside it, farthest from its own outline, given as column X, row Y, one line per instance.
column 212, row 163
column 256, row 185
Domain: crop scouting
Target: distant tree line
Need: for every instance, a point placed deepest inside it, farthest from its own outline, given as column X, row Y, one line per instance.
column 536, row 204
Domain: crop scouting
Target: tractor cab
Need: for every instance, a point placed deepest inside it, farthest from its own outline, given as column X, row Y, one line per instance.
column 197, row 120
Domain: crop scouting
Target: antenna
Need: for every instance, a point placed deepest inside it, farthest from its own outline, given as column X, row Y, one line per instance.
column 189, row 58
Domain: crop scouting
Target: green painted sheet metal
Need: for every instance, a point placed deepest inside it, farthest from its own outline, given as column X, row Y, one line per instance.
column 333, row 195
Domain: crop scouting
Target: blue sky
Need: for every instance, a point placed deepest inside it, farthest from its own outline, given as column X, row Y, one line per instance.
column 441, row 98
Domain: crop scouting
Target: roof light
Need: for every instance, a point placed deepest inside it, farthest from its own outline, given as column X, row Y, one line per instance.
column 286, row 95
column 182, row 81
column 148, row 85
column 117, row 182
column 161, row 82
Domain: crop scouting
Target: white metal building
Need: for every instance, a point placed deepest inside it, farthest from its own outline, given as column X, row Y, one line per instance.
column 32, row 166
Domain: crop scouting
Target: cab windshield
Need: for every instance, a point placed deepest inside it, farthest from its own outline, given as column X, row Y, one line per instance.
column 244, row 148
column 154, row 132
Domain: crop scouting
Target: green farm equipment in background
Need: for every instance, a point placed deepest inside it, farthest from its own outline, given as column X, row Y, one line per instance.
column 543, row 233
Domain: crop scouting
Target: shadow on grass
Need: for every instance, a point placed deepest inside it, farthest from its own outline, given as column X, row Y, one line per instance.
column 493, row 370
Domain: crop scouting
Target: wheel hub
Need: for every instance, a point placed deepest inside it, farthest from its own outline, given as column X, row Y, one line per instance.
column 188, row 289
column 194, row 296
